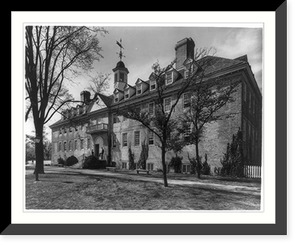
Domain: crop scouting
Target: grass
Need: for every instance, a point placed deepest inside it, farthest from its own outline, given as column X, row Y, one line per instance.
column 91, row 192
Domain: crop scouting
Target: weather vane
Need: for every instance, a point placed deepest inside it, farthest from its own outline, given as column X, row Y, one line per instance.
column 121, row 55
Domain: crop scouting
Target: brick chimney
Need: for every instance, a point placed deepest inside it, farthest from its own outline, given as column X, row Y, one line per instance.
column 184, row 49
column 85, row 96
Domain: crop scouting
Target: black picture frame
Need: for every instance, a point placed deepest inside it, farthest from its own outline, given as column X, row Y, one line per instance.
column 279, row 228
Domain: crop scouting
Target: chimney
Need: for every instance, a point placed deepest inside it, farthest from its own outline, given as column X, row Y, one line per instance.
column 184, row 49
column 85, row 96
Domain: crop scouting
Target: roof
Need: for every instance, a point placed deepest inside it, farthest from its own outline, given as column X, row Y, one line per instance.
column 106, row 99
column 214, row 65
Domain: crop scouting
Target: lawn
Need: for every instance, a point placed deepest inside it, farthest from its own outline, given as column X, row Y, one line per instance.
column 94, row 192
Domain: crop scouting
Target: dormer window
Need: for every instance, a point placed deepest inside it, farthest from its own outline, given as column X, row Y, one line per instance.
column 126, row 93
column 139, row 89
column 116, row 97
column 169, row 77
column 152, row 85
column 74, row 112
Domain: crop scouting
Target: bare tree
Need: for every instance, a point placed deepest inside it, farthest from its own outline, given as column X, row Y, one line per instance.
column 99, row 83
column 205, row 103
column 161, row 122
column 53, row 53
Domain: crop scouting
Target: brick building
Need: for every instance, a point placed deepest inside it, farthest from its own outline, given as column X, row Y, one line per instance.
column 93, row 125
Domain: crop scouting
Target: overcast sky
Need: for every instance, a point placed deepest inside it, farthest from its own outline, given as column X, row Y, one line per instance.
column 143, row 46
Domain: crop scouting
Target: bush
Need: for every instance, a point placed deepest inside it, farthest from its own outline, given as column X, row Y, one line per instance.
column 176, row 163
column 217, row 171
column 193, row 163
column 131, row 159
column 205, row 167
column 71, row 161
column 91, row 162
column 232, row 161
column 60, row 161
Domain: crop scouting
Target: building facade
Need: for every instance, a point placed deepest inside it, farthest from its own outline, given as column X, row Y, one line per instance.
column 95, row 124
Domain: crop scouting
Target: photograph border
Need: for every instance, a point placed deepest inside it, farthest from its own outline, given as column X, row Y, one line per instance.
column 280, row 226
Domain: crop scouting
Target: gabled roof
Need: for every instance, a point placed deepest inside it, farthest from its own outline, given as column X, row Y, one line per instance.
column 138, row 81
column 129, row 86
column 117, row 91
column 108, row 100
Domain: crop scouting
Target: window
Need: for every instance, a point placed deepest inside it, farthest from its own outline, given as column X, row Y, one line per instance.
column 169, row 77
column 187, row 135
column 150, row 138
column 114, row 140
column 152, row 85
column 124, row 139
column 136, row 138
column 126, row 93
column 167, row 104
column 149, row 166
column 138, row 109
column 151, row 108
column 75, row 145
column 122, row 77
column 116, row 97
column 65, row 145
column 59, row 146
column 139, row 89
column 115, row 118
column 124, row 165
column 186, row 168
column 187, row 100
column 70, row 145
column 81, row 144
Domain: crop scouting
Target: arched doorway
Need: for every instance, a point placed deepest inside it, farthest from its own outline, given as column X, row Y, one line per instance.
column 98, row 145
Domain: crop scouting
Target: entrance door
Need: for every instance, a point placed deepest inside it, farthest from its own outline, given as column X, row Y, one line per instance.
column 97, row 150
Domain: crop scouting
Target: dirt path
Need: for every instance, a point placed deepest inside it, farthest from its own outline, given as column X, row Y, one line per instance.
column 233, row 188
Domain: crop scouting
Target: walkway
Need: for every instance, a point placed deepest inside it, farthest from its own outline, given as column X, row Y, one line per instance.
column 146, row 178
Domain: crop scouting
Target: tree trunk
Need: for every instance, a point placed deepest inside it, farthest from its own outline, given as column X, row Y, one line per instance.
column 39, row 154
column 163, row 160
column 198, row 159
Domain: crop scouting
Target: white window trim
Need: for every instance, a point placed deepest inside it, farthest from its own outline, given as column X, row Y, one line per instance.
column 137, row 91
column 172, row 77
column 153, row 139
column 153, row 108
column 184, row 95
column 123, row 139
column 117, row 97
column 165, row 103
column 152, row 82
column 124, row 163
column 127, row 94
column 150, row 165
column 135, row 138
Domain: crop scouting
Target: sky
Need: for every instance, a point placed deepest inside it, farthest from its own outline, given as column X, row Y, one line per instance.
column 143, row 46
